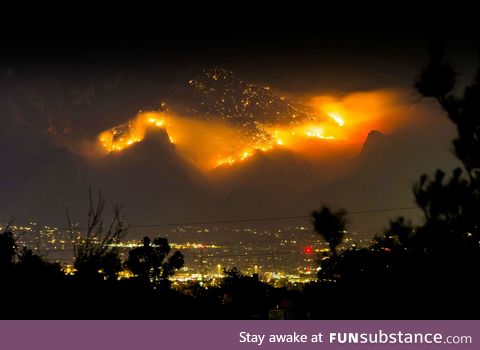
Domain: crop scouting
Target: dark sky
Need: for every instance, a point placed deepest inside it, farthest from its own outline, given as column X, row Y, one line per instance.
column 289, row 52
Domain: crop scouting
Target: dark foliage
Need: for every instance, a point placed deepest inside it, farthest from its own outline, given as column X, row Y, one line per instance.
column 331, row 226
column 151, row 263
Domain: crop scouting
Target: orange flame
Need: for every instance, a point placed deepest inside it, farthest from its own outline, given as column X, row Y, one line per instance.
column 117, row 138
column 212, row 144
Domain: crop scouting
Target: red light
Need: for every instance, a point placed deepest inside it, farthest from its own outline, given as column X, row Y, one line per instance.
column 308, row 250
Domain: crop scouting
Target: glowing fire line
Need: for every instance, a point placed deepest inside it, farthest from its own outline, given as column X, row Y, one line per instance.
column 126, row 135
column 120, row 137
column 283, row 138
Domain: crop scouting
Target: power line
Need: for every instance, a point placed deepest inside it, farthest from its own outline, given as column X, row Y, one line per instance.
column 244, row 220
column 274, row 218
column 381, row 210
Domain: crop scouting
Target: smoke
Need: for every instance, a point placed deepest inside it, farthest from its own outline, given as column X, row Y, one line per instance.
column 336, row 129
column 382, row 110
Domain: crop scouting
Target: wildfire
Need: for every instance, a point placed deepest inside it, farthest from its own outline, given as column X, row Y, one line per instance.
column 119, row 137
column 286, row 137
column 277, row 136
column 337, row 118
column 211, row 143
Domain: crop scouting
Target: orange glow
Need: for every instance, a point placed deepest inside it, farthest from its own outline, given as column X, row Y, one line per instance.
column 344, row 121
column 282, row 137
column 337, row 118
column 210, row 144
column 361, row 112
column 117, row 138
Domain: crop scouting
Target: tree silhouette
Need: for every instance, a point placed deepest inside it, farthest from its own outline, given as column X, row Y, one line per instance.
column 454, row 203
column 401, row 229
column 331, row 226
column 151, row 261
column 96, row 256
column 245, row 296
column 437, row 80
column 396, row 236
column 8, row 248
column 36, row 268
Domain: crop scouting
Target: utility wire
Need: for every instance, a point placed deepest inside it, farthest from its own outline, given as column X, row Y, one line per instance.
column 245, row 220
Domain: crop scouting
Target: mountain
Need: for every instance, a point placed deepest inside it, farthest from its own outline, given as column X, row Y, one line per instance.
column 154, row 183
column 381, row 178
column 262, row 185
